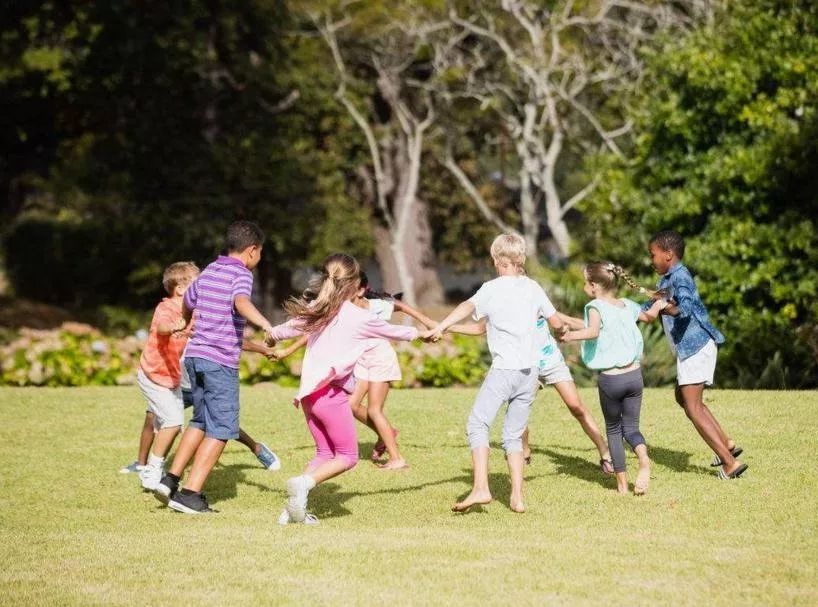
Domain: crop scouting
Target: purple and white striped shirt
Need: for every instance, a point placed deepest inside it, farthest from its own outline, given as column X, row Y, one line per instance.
column 218, row 329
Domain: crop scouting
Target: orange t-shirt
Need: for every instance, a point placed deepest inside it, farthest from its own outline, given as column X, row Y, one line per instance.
column 161, row 355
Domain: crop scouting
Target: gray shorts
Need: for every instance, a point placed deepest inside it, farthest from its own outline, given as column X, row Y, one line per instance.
column 516, row 387
column 556, row 374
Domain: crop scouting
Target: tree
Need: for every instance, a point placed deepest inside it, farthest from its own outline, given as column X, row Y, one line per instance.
column 384, row 56
column 550, row 74
column 725, row 153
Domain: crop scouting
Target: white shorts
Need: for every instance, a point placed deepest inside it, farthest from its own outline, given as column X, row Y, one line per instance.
column 699, row 368
column 378, row 364
column 556, row 374
column 165, row 403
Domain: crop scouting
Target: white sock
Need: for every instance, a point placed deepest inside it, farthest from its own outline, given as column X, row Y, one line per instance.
column 309, row 482
column 155, row 460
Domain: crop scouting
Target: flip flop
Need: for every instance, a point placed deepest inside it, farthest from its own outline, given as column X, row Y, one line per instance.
column 735, row 452
column 724, row 476
column 606, row 465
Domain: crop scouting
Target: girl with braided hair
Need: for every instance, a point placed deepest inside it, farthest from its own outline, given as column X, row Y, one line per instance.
column 612, row 345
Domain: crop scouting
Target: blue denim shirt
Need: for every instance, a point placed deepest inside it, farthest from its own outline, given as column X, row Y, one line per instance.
column 691, row 329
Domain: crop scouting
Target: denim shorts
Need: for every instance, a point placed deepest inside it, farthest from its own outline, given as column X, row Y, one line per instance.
column 215, row 391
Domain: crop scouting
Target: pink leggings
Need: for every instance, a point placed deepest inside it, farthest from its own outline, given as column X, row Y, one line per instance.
column 330, row 421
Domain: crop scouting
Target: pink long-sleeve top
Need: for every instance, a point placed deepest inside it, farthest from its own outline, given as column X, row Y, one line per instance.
column 332, row 352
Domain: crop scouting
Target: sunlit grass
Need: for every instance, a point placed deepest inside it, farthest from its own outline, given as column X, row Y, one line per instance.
column 75, row 532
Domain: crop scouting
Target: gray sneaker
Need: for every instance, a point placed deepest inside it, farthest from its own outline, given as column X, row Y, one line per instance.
column 190, row 503
column 268, row 459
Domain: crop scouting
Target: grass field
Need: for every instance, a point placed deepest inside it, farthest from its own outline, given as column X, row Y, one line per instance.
column 75, row 532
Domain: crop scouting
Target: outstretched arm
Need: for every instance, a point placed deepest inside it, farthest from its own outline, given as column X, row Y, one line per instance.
column 292, row 348
column 470, row 328
column 246, row 308
column 251, row 346
column 419, row 316
column 589, row 332
column 652, row 313
column 572, row 322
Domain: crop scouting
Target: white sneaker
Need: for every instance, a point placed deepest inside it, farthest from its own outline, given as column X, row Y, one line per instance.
column 284, row 518
column 150, row 477
column 133, row 467
column 297, row 501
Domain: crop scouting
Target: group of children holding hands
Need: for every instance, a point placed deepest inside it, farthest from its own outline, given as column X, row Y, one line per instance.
column 348, row 357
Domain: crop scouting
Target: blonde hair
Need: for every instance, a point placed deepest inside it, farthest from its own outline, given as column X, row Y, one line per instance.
column 339, row 282
column 510, row 247
column 607, row 275
column 181, row 272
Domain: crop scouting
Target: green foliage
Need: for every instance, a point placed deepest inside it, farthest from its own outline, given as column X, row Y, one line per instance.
column 75, row 355
column 455, row 361
column 725, row 155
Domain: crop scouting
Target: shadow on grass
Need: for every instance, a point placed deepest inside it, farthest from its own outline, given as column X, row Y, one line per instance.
column 223, row 480
column 572, row 465
column 678, row 461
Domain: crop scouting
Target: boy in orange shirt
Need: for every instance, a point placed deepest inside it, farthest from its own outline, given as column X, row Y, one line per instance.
column 160, row 372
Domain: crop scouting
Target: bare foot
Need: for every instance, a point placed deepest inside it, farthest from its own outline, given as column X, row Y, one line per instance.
column 517, row 505
column 394, row 464
column 472, row 499
column 640, row 487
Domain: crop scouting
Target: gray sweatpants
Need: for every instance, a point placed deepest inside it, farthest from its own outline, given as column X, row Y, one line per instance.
column 518, row 388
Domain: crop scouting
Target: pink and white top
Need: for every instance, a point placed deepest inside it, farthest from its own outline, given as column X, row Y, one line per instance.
column 332, row 352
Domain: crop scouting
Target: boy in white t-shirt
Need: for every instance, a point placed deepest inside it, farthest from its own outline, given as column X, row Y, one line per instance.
column 511, row 304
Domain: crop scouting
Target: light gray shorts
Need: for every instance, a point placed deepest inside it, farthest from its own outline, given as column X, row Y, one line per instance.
column 556, row 374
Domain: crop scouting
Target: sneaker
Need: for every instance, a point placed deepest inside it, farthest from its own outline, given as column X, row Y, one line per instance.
column 268, row 459
column 297, row 502
column 150, row 477
column 284, row 518
column 190, row 503
column 134, row 467
column 166, row 489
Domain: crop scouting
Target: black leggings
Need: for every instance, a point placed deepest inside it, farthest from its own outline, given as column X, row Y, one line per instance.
column 621, row 400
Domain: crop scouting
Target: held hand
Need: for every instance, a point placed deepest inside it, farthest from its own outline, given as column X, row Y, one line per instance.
column 268, row 338
column 431, row 335
column 563, row 336
column 671, row 308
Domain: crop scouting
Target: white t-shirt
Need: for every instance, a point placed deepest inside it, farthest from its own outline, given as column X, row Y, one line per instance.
column 381, row 308
column 512, row 305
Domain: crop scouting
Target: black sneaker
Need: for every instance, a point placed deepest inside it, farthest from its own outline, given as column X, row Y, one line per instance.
column 166, row 488
column 190, row 503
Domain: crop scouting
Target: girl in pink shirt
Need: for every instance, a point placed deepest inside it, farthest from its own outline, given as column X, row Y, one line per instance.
column 338, row 334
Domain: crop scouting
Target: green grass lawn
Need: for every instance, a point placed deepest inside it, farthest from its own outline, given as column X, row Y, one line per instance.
column 75, row 532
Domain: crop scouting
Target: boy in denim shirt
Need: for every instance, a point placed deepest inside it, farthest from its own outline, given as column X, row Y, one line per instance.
column 693, row 339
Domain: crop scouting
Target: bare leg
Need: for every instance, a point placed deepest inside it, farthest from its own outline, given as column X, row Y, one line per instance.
column 621, row 482
column 377, row 400
column 146, row 438
column 164, row 441
column 480, row 493
column 191, row 438
column 515, row 471
column 359, row 410
column 640, row 487
column 691, row 401
column 568, row 392
column 207, row 455
column 730, row 443
column 247, row 440
column 526, row 447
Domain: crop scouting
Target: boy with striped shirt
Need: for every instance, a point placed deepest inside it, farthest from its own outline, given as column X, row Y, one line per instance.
column 221, row 298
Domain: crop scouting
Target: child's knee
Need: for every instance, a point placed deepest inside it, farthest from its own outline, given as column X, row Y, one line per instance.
column 513, row 445
column 350, row 460
column 634, row 439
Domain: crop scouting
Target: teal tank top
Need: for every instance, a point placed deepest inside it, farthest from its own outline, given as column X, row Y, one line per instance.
column 619, row 343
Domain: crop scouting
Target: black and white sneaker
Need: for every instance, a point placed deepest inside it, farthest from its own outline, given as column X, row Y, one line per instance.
column 190, row 503
column 166, row 488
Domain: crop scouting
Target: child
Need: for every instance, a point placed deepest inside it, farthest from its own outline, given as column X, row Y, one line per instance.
column 511, row 303
column 553, row 371
column 694, row 340
column 159, row 372
column 612, row 345
column 221, row 298
column 339, row 333
column 374, row 372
